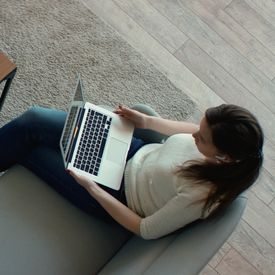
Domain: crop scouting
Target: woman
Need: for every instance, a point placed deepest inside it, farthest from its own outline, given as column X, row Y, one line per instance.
column 195, row 173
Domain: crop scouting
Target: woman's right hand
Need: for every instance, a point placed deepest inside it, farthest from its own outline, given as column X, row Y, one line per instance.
column 137, row 118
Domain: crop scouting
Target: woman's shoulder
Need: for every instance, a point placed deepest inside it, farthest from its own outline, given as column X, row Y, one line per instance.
column 183, row 140
column 182, row 146
column 181, row 136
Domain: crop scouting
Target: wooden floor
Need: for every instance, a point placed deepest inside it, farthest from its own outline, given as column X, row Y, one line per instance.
column 216, row 51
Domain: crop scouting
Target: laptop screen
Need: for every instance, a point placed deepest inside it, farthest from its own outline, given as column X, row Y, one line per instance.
column 78, row 96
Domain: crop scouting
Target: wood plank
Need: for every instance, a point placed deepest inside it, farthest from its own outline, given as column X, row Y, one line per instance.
column 215, row 5
column 253, row 22
column 272, row 205
column 253, row 248
column 223, row 84
column 218, row 4
column 264, row 188
column 208, row 270
column 259, row 216
column 219, row 255
column 235, row 35
column 269, row 156
column 154, row 23
column 234, row 263
column 162, row 59
column 264, row 7
column 254, row 80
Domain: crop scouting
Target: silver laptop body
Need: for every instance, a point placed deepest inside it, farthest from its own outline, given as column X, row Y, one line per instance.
column 95, row 141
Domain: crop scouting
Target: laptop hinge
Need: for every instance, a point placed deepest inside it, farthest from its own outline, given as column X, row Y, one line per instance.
column 75, row 135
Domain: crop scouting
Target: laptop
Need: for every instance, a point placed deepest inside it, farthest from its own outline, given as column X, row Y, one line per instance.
column 95, row 141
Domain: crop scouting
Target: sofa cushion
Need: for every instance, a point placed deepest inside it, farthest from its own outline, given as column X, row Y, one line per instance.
column 43, row 233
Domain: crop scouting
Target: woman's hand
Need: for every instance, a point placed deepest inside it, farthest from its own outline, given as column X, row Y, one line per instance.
column 90, row 185
column 137, row 118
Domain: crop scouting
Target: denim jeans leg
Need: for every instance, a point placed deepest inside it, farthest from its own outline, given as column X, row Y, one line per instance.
column 37, row 126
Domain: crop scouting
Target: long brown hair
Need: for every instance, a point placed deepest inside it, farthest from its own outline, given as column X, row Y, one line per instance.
column 237, row 133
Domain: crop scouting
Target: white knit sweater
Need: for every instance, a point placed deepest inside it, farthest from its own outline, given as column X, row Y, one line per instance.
column 166, row 201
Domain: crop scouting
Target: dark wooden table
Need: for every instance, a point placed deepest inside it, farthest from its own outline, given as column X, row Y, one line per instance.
column 7, row 73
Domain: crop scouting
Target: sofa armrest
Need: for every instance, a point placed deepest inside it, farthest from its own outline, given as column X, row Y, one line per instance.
column 185, row 252
column 137, row 255
column 43, row 233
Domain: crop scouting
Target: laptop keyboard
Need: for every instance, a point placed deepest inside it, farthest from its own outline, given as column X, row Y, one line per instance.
column 68, row 127
column 92, row 142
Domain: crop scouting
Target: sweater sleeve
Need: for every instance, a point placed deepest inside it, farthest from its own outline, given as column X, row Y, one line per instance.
column 175, row 214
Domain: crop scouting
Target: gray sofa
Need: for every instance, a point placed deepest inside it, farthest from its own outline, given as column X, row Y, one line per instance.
column 44, row 234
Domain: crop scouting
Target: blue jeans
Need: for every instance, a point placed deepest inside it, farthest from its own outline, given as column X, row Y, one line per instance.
column 32, row 140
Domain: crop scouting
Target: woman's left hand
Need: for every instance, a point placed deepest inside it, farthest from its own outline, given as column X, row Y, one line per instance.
column 85, row 182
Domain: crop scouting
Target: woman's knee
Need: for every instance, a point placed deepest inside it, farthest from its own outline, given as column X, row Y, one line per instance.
column 31, row 116
column 47, row 120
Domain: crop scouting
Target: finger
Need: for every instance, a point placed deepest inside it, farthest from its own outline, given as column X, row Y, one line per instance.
column 75, row 175
column 123, row 111
column 126, row 111
column 119, row 109
column 71, row 173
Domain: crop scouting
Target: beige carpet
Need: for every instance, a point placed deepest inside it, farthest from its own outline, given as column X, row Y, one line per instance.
column 52, row 40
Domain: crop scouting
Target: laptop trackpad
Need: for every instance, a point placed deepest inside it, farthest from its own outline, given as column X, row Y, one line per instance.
column 116, row 151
